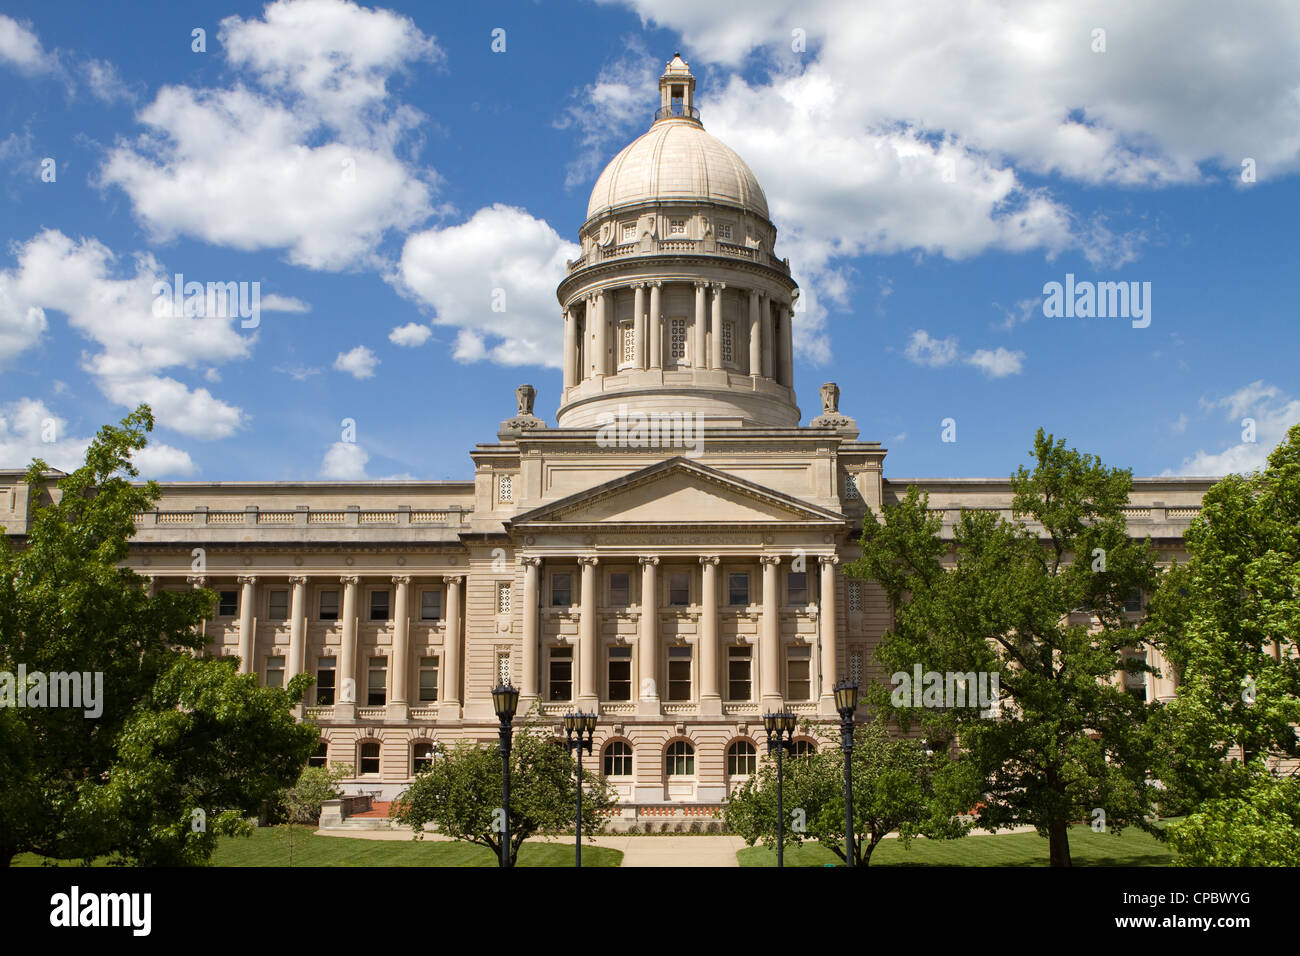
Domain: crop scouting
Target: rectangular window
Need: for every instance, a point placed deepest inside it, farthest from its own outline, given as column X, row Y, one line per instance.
column 227, row 603
column 506, row 488
column 379, row 606
column 724, row 231
column 629, row 232
column 325, row 682
column 853, row 589
column 329, row 605
column 728, row 341
column 676, row 227
column 428, row 680
column 855, row 666
column 561, row 672
column 620, row 589
column 739, row 672
column 620, row 673
column 503, row 597
column 275, row 672
column 798, row 672
column 562, row 590
column 679, row 673
column 503, row 667
column 377, row 685
column 277, row 605
column 677, row 341
column 738, row 589
column 679, row 589
column 627, row 336
column 431, row 604
column 851, row 488
column 1133, row 603
column 796, row 583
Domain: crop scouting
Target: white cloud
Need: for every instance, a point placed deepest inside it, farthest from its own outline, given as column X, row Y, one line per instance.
column 996, row 363
column 21, row 49
column 283, row 303
column 29, row 429
column 1022, row 311
column 1180, row 426
column 303, row 156
column 299, row 373
column 410, row 335
column 502, row 259
column 80, row 279
column 608, row 111
column 162, row 461
column 344, row 461
column 105, row 82
column 1273, row 413
column 924, row 349
column 359, row 362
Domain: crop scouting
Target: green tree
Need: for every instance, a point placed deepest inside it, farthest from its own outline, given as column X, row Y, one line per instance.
column 302, row 802
column 1065, row 739
column 1228, row 620
column 176, row 734
column 897, row 786
column 460, row 792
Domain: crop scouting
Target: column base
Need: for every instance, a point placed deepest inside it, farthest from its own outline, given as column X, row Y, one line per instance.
column 648, row 708
column 826, row 706
column 396, row 711
column 710, row 707
column 345, row 711
column 526, row 703
column 770, row 704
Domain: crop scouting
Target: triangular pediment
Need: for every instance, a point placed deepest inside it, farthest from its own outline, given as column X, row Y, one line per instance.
column 677, row 492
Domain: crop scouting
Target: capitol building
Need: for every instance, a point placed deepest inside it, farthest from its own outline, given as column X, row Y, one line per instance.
column 668, row 551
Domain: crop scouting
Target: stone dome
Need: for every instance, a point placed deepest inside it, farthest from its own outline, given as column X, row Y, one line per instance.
column 677, row 160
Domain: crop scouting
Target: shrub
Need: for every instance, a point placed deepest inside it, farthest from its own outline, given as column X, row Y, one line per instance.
column 302, row 802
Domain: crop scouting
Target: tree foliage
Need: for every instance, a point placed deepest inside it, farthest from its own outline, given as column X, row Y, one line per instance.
column 176, row 734
column 1229, row 622
column 460, row 792
column 1066, row 738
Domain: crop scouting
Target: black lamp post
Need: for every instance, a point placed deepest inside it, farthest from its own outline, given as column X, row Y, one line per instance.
column 575, row 727
column 505, row 700
column 780, row 737
column 846, row 702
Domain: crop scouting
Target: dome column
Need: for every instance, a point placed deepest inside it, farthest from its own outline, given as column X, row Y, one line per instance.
column 656, row 332
column 602, row 337
column 769, row 340
column 570, row 348
column 638, row 325
column 755, row 336
column 698, row 359
column 787, row 346
column 715, row 348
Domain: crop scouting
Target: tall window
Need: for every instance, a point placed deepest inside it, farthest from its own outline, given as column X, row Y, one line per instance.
column 503, row 667
column 627, row 338
column 428, row 680
column 679, row 673
column 320, row 756
column 738, row 589
column 379, row 605
column 798, row 672
column 853, row 589
column 503, row 597
column 277, row 604
column 325, row 682
column 740, row 661
column 561, row 589
column 677, row 340
column 680, row 759
column 796, row 583
column 506, row 488
column 742, row 759
column 618, row 759
column 227, row 603
column 275, row 672
column 329, row 605
column 431, row 604
column 1133, row 603
column 421, row 757
column 679, row 589
column 855, row 665
column 377, row 684
column 728, row 341
column 620, row 673
column 851, row 488
column 370, row 757
column 620, row 589
column 561, row 672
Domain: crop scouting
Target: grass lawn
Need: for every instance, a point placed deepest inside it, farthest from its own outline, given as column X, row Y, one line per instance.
column 273, row 846
column 1132, row 848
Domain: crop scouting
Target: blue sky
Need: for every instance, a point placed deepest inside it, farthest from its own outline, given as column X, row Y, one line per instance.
column 381, row 170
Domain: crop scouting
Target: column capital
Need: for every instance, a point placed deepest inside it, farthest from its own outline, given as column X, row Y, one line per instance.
column 298, row 579
column 530, row 561
column 831, row 559
column 653, row 560
column 349, row 579
column 452, row 578
column 401, row 579
column 196, row 580
column 246, row 579
column 772, row 559
column 717, row 287
column 639, row 284
column 701, row 283
column 711, row 559
column 590, row 559
column 654, row 283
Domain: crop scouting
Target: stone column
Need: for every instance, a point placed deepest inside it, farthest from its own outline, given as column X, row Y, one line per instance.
column 826, row 628
column 346, row 707
column 570, row 349
column 247, row 637
column 698, row 358
column 769, row 638
column 528, row 683
column 1165, row 687
column 755, row 336
column 197, row 582
column 638, row 325
column 715, row 351
column 769, row 338
column 401, row 647
column 587, row 633
column 297, row 626
column 656, row 334
column 710, row 688
column 648, row 640
column 787, row 346
column 602, row 336
column 451, row 647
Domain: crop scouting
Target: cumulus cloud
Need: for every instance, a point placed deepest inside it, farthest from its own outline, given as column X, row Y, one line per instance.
column 344, row 461
column 283, row 303
column 114, row 309
column 492, row 278
column 105, row 82
column 359, row 362
column 21, row 49
column 410, row 335
column 605, row 113
column 996, row 363
column 301, row 157
column 29, row 429
column 1271, row 413
column 924, row 349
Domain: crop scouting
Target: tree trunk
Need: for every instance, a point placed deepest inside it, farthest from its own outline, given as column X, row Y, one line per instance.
column 1058, row 838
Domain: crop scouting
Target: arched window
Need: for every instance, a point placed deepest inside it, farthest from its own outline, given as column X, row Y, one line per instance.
column 742, row 759
column 680, row 758
column 370, row 757
column 618, row 759
column 804, row 748
column 422, row 754
column 321, row 757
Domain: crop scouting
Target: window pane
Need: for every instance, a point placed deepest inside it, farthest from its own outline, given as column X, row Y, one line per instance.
column 739, row 661
column 620, row 673
column 797, row 585
column 679, row 673
column 325, row 682
column 329, row 605
column 431, row 604
column 618, row 760
column 370, row 758
column 377, row 695
column 561, row 590
column 619, row 590
column 561, row 673
column 379, row 605
column 227, row 603
column 679, row 589
column 275, row 672
column 738, row 589
column 278, row 605
column 428, row 680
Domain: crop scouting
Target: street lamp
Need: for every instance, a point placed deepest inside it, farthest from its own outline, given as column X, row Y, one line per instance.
column 575, row 726
column 505, row 700
column 780, row 737
column 846, row 702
